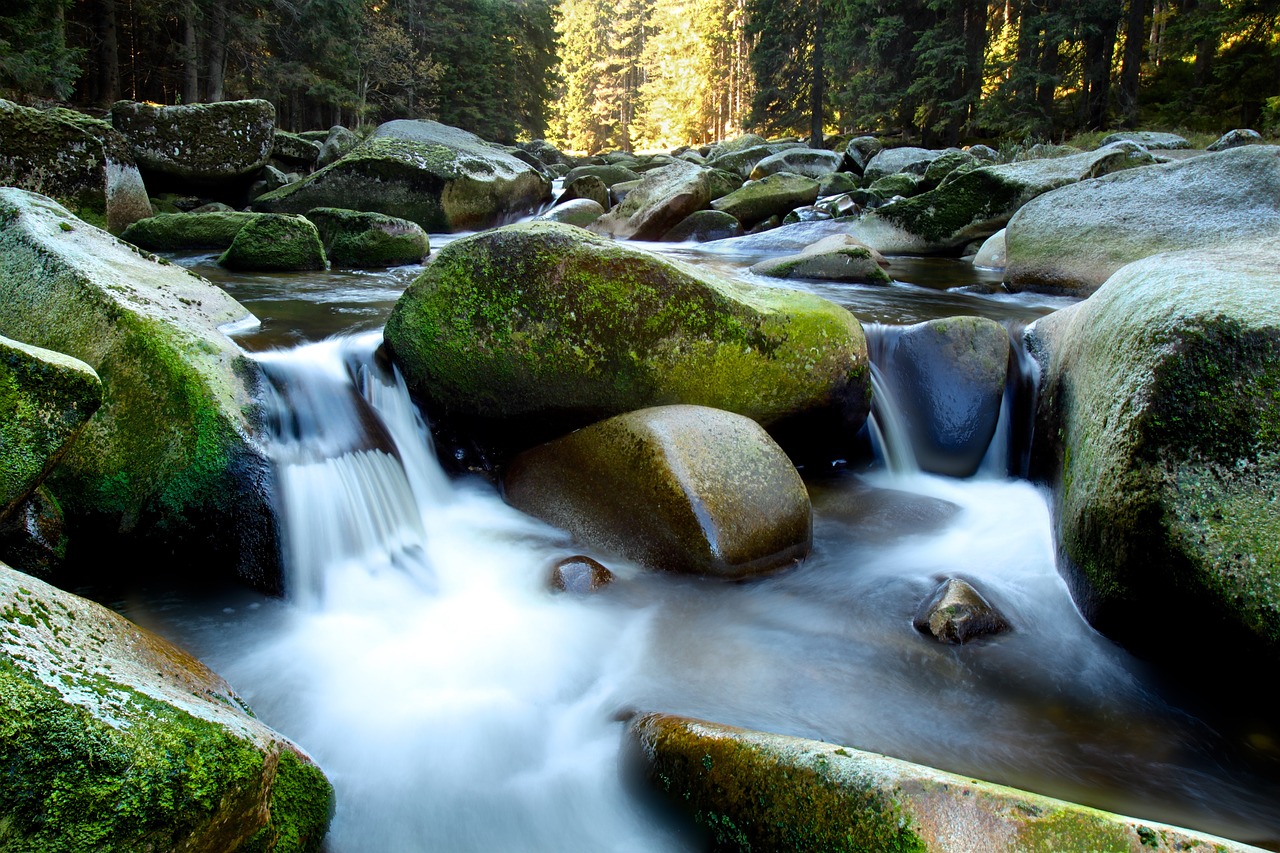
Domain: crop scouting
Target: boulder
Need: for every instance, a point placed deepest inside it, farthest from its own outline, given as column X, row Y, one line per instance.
column 950, row 162
column 1157, row 428
column 198, row 144
column 871, row 516
column 799, row 161
column 704, row 225
column 546, row 152
column 664, row 197
column 759, row 791
column 985, row 153
column 365, row 240
column 957, row 613
column 171, row 455
column 544, row 321
column 1235, row 138
column 775, row 195
column 178, row 232
column 440, row 177
column 974, row 204
column 275, row 242
column 738, row 143
column 890, row 161
column 582, row 212
column 83, row 163
column 948, row 377
column 294, row 150
column 586, row 187
column 722, row 183
column 991, row 255
column 742, row 162
column 675, row 488
column 1073, row 239
column 608, row 174
column 898, row 184
column 34, row 535
column 114, row 739
column 336, row 145
column 788, row 238
column 45, row 400
column 835, row 258
column 1149, row 139
column 579, row 576
column 859, row 151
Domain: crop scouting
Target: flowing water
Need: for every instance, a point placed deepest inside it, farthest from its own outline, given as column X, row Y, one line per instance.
column 459, row 705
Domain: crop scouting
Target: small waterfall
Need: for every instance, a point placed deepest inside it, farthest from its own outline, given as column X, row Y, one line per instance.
column 890, row 440
column 1010, row 452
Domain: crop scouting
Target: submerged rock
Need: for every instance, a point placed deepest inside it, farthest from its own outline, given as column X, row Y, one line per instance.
column 275, row 242
column 198, row 144
column 835, row 258
column 759, row 791
column 81, row 162
column 1158, row 429
column 45, row 400
column 675, row 488
column 357, row 239
column 171, row 453
column 547, row 322
column 440, row 177
column 957, row 613
column 177, row 232
column 116, row 740
column 580, row 576
column 869, row 515
column 1073, row 239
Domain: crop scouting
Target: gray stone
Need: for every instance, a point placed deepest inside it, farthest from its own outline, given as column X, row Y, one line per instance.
column 991, row 255
column 775, row 195
column 586, row 187
column 336, row 145
column 1236, row 138
column 798, row 161
column 703, row 226
column 1149, row 139
column 581, row 212
column 663, row 198
column 608, row 174
column 295, row 150
column 198, row 144
column 580, row 576
column 835, row 258
column 859, row 151
column 957, row 613
column 890, row 161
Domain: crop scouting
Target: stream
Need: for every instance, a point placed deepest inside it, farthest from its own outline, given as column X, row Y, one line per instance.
column 459, row 705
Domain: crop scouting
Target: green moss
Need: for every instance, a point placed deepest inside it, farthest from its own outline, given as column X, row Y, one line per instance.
column 275, row 243
column 776, row 194
column 356, row 239
column 1070, row 828
column 302, row 805
column 169, row 232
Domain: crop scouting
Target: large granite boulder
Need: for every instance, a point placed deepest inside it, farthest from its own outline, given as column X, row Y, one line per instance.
column 889, row 161
column 171, row 453
column 774, row 195
column 835, row 258
column 114, row 739
column 355, row 239
column 1235, row 139
column 440, row 177
column 974, row 204
column 799, row 161
column 1157, row 428
column 292, row 149
column 45, row 399
column 702, row 226
column 759, row 791
column 1072, row 239
column 544, row 321
column 664, row 197
column 82, row 162
column 178, row 232
column 1150, row 139
column 198, row 144
column 675, row 488
column 275, row 242
column 742, row 161
column 337, row 144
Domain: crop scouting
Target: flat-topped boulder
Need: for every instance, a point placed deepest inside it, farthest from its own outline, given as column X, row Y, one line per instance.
column 1149, row 139
column 171, row 456
column 799, row 161
column 546, row 322
column 1072, row 239
column 775, row 195
column 835, row 258
column 178, row 232
column 83, row 163
column 440, row 177
column 888, row 161
column 198, row 144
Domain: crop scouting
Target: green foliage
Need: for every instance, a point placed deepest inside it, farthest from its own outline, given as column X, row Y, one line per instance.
column 35, row 61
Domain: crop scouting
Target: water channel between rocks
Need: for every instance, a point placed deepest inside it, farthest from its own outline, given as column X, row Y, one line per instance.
column 458, row 705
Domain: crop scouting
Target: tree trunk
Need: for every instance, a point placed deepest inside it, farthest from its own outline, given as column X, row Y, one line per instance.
column 817, row 85
column 216, row 51
column 190, row 57
column 108, row 54
column 1131, row 66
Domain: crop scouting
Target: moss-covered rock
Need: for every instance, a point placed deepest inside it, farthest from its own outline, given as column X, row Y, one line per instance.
column 113, row 739
column 337, row 144
column 775, row 195
column 293, row 149
column 177, row 232
column 1072, row 239
column 440, row 177
column 582, row 212
column 835, row 258
column 898, row 184
column 758, row 791
column 355, row 239
column 198, row 144
column 80, row 161
column 171, row 453
column 704, row 225
column 588, row 187
column 974, row 204
column 45, row 399
column 742, row 161
column 1235, row 139
column 1158, row 426
column 663, row 198
column 859, row 151
column 275, row 242
column 34, row 536
column 798, row 161
column 543, row 320
column 608, row 174
column 675, row 488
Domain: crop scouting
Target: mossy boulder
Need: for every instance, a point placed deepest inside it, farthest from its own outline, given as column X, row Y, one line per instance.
column 275, row 242
column 775, row 195
column 835, row 258
column 898, row 184
column 742, row 161
column 546, row 321
column 588, row 187
column 759, row 791
column 664, row 197
column 355, row 239
column 178, row 232
column 1158, row 427
column 115, row 740
column 799, row 161
column 1072, row 239
column 198, row 144
column 704, row 225
column 293, row 149
column 171, row 455
column 45, row 399
column 337, row 144
column 948, row 377
column 675, row 488
column 1235, row 139
column 83, row 163
column 974, row 204
column 859, row 151
column 34, row 535
column 582, row 212
column 606, row 173
column 440, row 177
